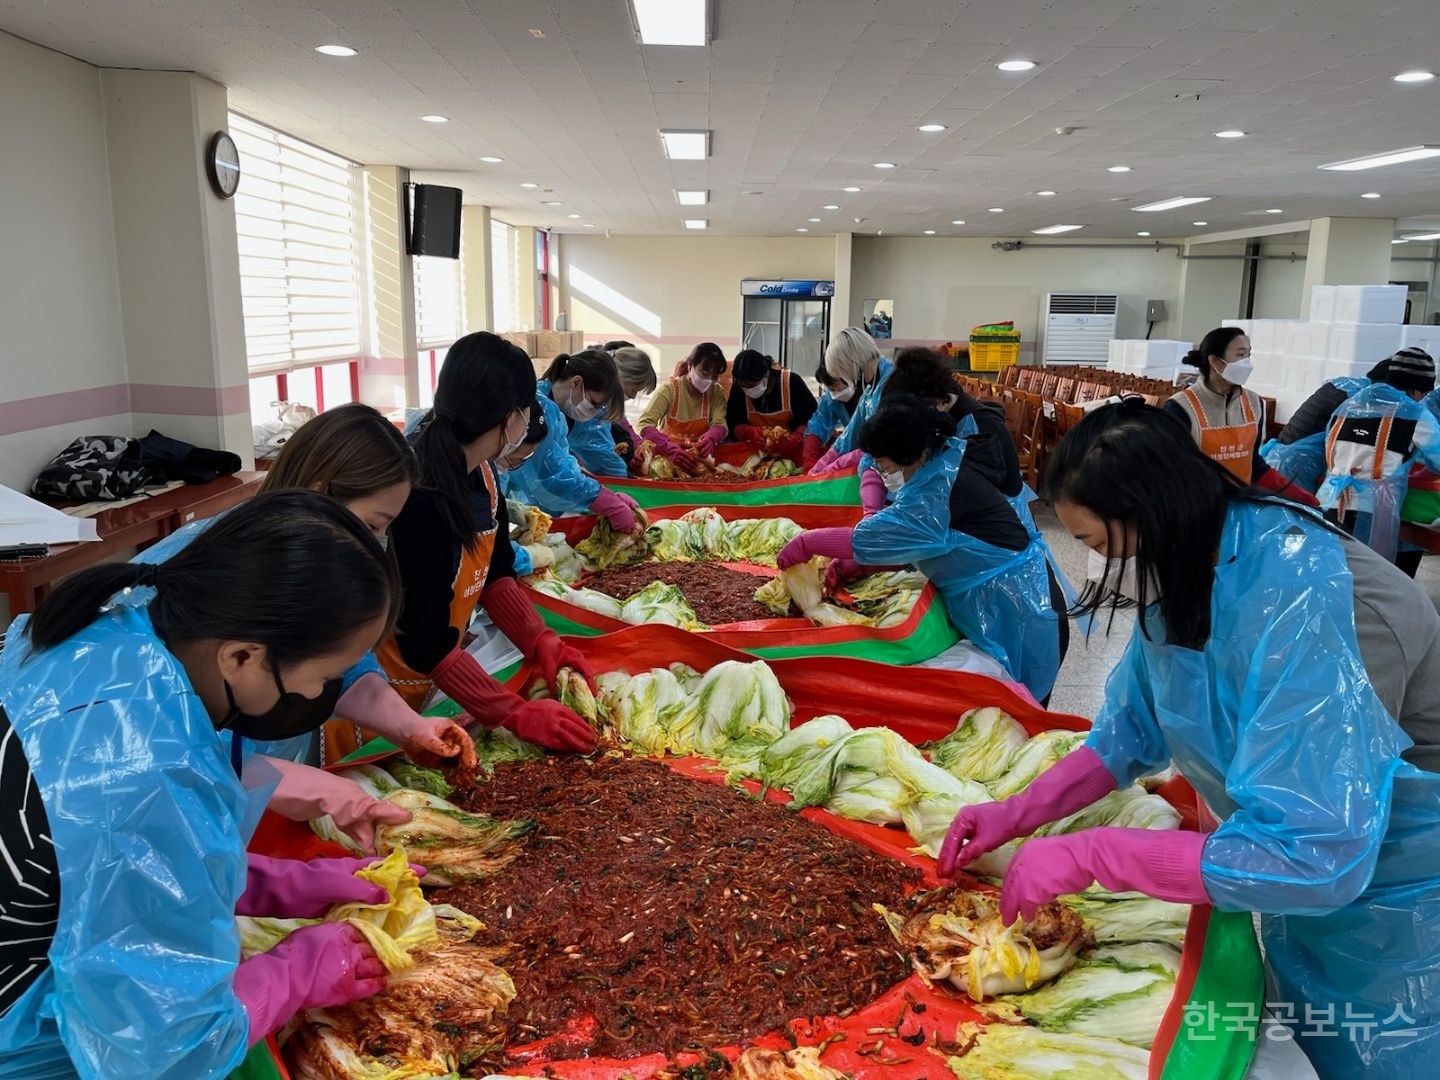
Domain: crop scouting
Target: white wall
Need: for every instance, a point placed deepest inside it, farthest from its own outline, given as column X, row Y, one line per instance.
column 668, row 292
column 1281, row 283
column 944, row 286
column 59, row 290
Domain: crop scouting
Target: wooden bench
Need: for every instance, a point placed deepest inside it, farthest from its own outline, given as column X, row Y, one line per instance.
column 137, row 525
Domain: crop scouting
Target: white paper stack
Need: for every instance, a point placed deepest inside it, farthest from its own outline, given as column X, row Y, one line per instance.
column 23, row 520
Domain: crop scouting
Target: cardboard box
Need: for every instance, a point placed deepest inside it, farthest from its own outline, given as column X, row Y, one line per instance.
column 524, row 338
column 551, row 343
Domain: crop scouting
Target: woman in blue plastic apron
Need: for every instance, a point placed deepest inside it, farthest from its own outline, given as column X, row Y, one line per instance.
column 1293, row 677
column 586, row 387
column 123, row 816
column 834, row 408
column 991, row 570
column 854, row 359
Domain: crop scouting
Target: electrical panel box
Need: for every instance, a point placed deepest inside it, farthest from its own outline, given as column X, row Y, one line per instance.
column 1154, row 311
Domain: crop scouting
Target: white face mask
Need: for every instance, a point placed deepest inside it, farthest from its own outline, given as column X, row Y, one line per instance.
column 584, row 409
column 893, row 481
column 700, row 382
column 510, row 447
column 1102, row 570
column 1238, row 372
column 845, row 395
column 755, row 393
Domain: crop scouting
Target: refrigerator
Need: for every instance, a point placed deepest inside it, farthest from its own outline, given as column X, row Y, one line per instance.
column 788, row 320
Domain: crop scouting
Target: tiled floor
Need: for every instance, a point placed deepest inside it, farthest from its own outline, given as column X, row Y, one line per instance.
column 1080, row 689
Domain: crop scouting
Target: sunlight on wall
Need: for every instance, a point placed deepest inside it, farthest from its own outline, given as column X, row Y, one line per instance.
column 635, row 316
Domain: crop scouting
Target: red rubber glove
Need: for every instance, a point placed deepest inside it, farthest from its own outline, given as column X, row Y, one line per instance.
column 1072, row 783
column 1160, row 863
column 750, row 433
column 711, row 439
column 552, row 654
column 291, row 889
column 1273, row 481
column 617, row 509
column 668, row 448
column 316, row 967
column 549, row 724
column 873, row 492
column 811, row 451
column 791, row 447
column 305, row 794
column 507, row 602
column 428, row 740
column 544, row 723
column 835, row 542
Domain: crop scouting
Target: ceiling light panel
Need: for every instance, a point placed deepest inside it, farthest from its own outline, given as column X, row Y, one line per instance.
column 672, row 22
column 685, row 145
column 1171, row 204
column 1380, row 161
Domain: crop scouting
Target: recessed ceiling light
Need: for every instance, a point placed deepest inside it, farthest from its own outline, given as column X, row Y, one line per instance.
column 958, row 221
column 554, row 202
column 997, row 209
column 1415, row 76
column 1425, row 236
column 930, row 129
column 1274, row 210
column 852, row 190
column 1393, row 157
column 752, row 193
column 1051, row 230
column 1230, row 133
column 529, row 184
column 1015, row 65
column 884, row 164
column 1399, row 241
column 929, row 232
column 1371, row 195
column 335, row 50
column 1142, row 234
column 686, row 145
column 435, row 119
column 587, row 225
column 1118, row 168
column 1171, row 204
column 813, row 220
column 802, row 229
column 492, row 160
column 693, row 198
column 672, row 22
column 1044, row 194
column 858, row 220
column 831, row 206
column 696, row 223
column 1200, row 224
column 573, row 217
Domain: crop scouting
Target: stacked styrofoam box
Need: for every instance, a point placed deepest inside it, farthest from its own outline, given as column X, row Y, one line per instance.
column 1366, row 303
column 1153, row 358
column 1363, row 343
column 1119, row 358
column 1421, row 337
column 1322, row 303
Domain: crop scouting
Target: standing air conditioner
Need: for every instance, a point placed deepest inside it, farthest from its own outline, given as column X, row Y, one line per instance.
column 1076, row 328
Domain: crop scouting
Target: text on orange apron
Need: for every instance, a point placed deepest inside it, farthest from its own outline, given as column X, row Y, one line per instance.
column 1233, row 447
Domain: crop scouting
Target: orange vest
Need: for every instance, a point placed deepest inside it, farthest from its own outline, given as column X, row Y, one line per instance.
column 1233, row 447
column 785, row 418
column 686, row 429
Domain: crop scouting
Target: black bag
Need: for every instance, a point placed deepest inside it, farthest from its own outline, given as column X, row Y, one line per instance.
column 94, row 467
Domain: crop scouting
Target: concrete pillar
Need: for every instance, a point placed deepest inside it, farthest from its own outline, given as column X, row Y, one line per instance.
column 529, row 306
column 389, row 373
column 178, row 259
column 1209, row 288
column 477, row 268
column 841, row 314
column 1347, row 251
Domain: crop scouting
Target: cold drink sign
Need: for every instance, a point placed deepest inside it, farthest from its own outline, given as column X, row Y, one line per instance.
column 765, row 287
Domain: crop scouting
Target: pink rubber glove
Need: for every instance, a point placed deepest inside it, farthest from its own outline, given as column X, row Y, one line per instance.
column 711, row 439
column 835, row 542
column 839, row 572
column 551, row 654
column 429, row 740
column 1072, row 783
column 291, row 889
column 617, row 510
column 1160, row 863
column 872, row 492
column 668, row 448
column 316, row 967
column 549, row 724
column 305, row 794
column 825, row 464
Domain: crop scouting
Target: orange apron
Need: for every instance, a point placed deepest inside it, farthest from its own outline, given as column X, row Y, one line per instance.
column 785, row 418
column 1377, row 463
column 1233, row 447
column 343, row 737
column 689, row 430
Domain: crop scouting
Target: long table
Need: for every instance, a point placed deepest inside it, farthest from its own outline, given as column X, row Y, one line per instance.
column 136, row 525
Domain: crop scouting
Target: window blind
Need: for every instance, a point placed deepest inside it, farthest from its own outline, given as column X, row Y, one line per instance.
column 505, row 276
column 439, row 301
column 297, row 214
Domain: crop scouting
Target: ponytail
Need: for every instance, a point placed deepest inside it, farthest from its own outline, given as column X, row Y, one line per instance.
column 905, row 428
column 596, row 369
column 440, row 451
column 291, row 570
column 556, row 371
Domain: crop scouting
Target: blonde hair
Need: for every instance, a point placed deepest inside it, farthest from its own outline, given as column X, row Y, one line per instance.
column 635, row 369
column 850, row 353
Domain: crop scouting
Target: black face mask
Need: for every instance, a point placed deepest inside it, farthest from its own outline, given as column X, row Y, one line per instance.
column 294, row 714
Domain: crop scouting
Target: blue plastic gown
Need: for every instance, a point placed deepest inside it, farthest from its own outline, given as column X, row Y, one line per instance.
column 1303, row 461
column 590, row 440
column 1324, row 829
column 149, row 823
column 864, row 409
column 1377, row 502
column 302, row 747
column 830, row 416
column 552, row 479
column 998, row 599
